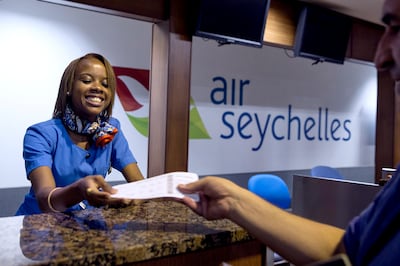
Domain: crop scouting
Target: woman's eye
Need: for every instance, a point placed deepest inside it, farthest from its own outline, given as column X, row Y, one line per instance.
column 85, row 81
column 105, row 84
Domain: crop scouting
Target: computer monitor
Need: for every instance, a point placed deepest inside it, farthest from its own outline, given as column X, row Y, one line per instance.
column 236, row 22
column 322, row 35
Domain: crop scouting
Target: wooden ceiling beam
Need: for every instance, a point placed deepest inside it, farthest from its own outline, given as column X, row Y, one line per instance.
column 145, row 10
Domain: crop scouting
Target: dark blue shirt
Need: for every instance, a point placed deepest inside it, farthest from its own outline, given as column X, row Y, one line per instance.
column 373, row 238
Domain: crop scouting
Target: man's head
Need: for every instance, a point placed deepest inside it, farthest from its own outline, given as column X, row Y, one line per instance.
column 387, row 57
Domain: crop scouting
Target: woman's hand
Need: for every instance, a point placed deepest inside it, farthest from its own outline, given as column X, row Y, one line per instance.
column 98, row 193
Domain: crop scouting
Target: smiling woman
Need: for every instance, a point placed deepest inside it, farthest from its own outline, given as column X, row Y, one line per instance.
column 90, row 98
column 68, row 157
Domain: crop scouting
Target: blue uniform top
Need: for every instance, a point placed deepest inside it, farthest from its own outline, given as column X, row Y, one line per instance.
column 373, row 238
column 48, row 144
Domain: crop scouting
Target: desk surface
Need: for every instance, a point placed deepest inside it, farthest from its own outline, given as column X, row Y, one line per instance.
column 152, row 229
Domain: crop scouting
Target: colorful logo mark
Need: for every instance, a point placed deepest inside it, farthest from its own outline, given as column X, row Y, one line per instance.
column 131, row 104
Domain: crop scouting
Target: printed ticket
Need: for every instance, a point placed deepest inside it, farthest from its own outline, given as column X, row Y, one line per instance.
column 160, row 186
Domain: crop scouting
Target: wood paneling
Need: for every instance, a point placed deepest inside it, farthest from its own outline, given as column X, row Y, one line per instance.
column 364, row 40
column 397, row 127
column 146, row 10
column 180, row 55
column 251, row 253
column 281, row 27
column 281, row 24
column 158, row 98
column 178, row 104
column 384, row 124
column 170, row 91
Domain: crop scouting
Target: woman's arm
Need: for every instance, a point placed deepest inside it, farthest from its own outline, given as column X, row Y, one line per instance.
column 92, row 188
column 132, row 172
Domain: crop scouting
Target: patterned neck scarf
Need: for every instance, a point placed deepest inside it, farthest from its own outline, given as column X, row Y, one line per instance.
column 100, row 130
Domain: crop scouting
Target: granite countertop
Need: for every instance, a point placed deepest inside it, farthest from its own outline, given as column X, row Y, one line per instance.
column 151, row 229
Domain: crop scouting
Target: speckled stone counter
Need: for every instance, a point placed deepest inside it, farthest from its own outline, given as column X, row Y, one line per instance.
column 154, row 232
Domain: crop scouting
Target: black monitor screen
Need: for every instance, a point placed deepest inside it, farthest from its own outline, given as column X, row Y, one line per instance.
column 233, row 21
column 322, row 35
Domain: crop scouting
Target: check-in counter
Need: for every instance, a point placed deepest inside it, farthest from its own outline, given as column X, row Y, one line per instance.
column 154, row 232
column 331, row 201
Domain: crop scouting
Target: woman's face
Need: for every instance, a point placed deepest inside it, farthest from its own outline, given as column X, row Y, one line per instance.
column 90, row 93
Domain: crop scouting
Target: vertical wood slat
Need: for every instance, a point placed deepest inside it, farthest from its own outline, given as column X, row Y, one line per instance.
column 154, row 10
column 170, row 92
column 158, row 99
column 178, row 105
column 396, row 137
column 384, row 145
column 180, row 55
column 364, row 40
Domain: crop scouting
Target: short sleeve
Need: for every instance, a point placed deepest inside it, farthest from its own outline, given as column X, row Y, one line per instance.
column 37, row 149
column 121, row 154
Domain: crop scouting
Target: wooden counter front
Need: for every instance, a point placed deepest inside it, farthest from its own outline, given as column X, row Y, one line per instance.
column 154, row 232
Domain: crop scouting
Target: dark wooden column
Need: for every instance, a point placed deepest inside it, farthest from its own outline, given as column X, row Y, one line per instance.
column 397, row 127
column 384, row 149
column 170, row 91
column 158, row 98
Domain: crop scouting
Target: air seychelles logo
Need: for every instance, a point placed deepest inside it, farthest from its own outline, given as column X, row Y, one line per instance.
column 132, row 106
